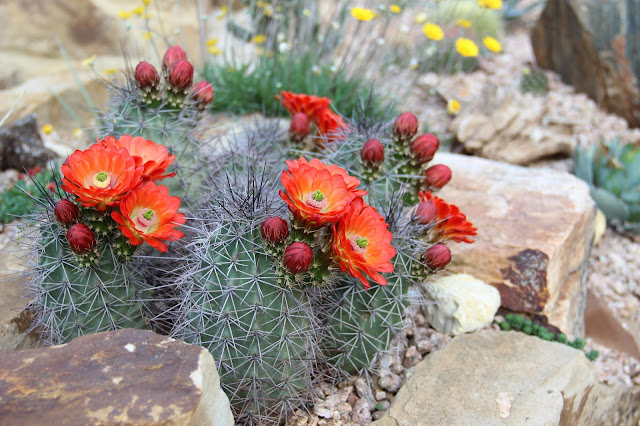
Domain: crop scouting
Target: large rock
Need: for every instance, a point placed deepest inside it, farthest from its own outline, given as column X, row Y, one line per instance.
column 21, row 146
column 119, row 377
column 594, row 45
column 498, row 378
column 506, row 125
column 535, row 228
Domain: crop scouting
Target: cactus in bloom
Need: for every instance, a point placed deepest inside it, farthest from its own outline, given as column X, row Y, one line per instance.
column 85, row 276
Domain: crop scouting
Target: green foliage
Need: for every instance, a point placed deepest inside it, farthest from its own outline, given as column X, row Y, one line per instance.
column 535, row 82
column 484, row 22
column 18, row 200
column 612, row 170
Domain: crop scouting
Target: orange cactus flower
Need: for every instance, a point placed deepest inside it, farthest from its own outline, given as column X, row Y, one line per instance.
column 448, row 224
column 149, row 214
column 100, row 176
column 317, row 193
column 300, row 102
column 362, row 244
column 155, row 158
column 352, row 182
column 330, row 124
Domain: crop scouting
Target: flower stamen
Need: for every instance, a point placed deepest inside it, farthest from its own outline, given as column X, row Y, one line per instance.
column 316, row 199
column 146, row 217
column 101, row 180
column 359, row 244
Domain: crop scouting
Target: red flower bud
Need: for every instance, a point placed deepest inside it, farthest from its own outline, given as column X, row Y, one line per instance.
column 274, row 229
column 202, row 93
column 181, row 75
column 51, row 187
column 437, row 257
column 81, row 238
column 66, row 212
column 146, row 75
column 372, row 152
column 298, row 257
column 405, row 126
column 173, row 55
column 426, row 212
column 435, row 177
column 299, row 128
column 36, row 169
column 425, row 147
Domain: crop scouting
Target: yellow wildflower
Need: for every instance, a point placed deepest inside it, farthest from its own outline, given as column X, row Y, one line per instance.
column 421, row 18
column 526, row 70
column 394, row 8
column 306, row 12
column 77, row 133
column 490, row 4
column 212, row 48
column 492, row 44
column 123, row 14
column 148, row 35
column 453, row 107
column 110, row 71
column 47, row 129
column 89, row 61
column 464, row 23
column 259, row 39
column 362, row 14
column 222, row 12
column 433, row 32
column 146, row 2
column 138, row 10
column 466, row 47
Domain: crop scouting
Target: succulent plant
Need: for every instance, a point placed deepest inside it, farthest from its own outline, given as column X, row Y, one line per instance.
column 612, row 170
column 534, row 81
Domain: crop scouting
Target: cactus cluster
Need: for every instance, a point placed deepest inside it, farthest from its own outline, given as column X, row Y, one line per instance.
column 612, row 170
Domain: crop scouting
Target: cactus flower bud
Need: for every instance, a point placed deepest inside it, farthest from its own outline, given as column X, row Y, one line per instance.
column 202, row 93
column 81, row 238
column 173, row 55
column 146, row 75
column 297, row 258
column 437, row 257
column 426, row 212
column 66, row 212
column 299, row 128
column 425, row 147
column 181, row 75
column 274, row 229
column 435, row 177
column 372, row 152
column 405, row 126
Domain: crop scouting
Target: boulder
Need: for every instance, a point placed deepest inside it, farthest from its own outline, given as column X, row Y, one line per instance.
column 21, row 146
column 504, row 124
column 509, row 378
column 118, row 377
column 593, row 45
column 535, row 229
column 462, row 303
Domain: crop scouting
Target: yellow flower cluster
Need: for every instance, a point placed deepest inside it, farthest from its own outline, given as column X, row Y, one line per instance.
column 362, row 14
column 492, row 44
column 394, row 8
column 433, row 32
column 212, row 46
column 466, row 47
column 453, row 107
column 47, row 129
column 490, row 4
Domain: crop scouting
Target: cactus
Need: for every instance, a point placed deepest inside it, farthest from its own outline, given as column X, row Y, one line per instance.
column 612, row 170
column 535, row 82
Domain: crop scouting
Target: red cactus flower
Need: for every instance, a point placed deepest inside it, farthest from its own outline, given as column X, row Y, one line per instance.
column 449, row 223
column 424, row 147
column 352, row 182
column 181, row 75
column 406, row 126
column 81, row 239
column 100, row 176
column 154, row 158
column 437, row 257
column 299, row 128
column 51, row 187
column 435, row 177
column 66, row 212
column 34, row 171
column 330, row 125
column 316, row 193
column 274, row 229
column 172, row 56
column 300, row 102
column 297, row 257
column 372, row 152
column 149, row 214
column 146, row 75
column 362, row 244
column 203, row 94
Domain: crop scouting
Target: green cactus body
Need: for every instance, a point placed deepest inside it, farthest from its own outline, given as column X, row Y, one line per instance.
column 534, row 82
column 75, row 300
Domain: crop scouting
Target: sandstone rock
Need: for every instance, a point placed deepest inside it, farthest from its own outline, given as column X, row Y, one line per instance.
column 535, row 229
column 21, row 146
column 463, row 303
column 506, row 125
column 593, row 44
column 498, row 378
column 119, row 377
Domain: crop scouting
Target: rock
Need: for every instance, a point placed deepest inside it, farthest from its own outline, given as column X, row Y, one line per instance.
column 535, row 228
column 21, row 146
column 509, row 378
column 593, row 45
column 118, row 377
column 361, row 413
column 601, row 227
column 463, row 303
column 506, row 125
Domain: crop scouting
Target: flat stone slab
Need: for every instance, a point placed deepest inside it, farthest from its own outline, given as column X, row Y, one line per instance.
column 125, row 376
column 509, row 378
column 535, row 231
